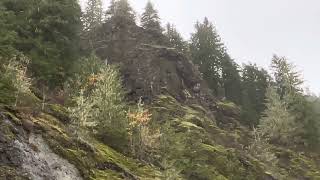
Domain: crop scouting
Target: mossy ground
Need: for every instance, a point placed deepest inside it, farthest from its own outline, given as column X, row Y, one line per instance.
column 221, row 152
column 7, row 172
column 203, row 150
column 93, row 159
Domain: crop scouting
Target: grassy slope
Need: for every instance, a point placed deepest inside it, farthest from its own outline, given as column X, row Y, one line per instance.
column 217, row 153
column 221, row 151
column 94, row 160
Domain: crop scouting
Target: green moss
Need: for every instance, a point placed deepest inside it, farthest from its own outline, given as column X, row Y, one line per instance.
column 7, row 172
column 226, row 105
column 94, row 163
column 12, row 117
column 107, row 174
column 209, row 159
column 228, row 108
column 58, row 111
column 187, row 126
column 297, row 165
column 213, row 149
column 202, row 149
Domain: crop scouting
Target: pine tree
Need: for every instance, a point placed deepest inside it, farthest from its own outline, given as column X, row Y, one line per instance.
column 289, row 87
column 255, row 82
column 262, row 150
column 81, row 113
column 111, row 9
column 278, row 123
column 93, row 14
column 231, row 80
column 46, row 32
column 108, row 96
column 207, row 52
column 120, row 12
column 175, row 39
column 16, row 74
column 150, row 19
column 288, row 80
column 99, row 103
column 8, row 37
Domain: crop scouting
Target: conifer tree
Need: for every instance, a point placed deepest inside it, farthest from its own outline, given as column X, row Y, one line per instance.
column 175, row 39
column 255, row 82
column 120, row 12
column 288, row 80
column 207, row 52
column 46, row 32
column 8, row 37
column 99, row 101
column 108, row 96
column 16, row 74
column 277, row 124
column 93, row 14
column 92, row 21
column 150, row 19
column 231, row 80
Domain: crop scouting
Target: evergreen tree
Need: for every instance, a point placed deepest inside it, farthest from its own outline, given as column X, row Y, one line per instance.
column 92, row 22
column 277, row 123
column 120, row 12
column 255, row 82
column 175, row 39
column 150, row 19
column 16, row 74
column 46, row 32
column 207, row 52
column 92, row 16
column 231, row 80
column 288, row 81
column 99, row 102
column 8, row 37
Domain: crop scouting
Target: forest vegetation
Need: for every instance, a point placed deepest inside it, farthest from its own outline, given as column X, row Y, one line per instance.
column 118, row 99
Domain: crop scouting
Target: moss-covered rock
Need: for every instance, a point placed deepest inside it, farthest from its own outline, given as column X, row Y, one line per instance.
column 93, row 159
column 198, row 146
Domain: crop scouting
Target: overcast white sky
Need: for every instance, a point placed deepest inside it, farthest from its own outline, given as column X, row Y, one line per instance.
column 254, row 30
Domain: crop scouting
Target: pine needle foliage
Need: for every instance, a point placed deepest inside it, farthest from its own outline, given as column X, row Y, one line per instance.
column 16, row 73
column 150, row 19
column 277, row 123
column 99, row 103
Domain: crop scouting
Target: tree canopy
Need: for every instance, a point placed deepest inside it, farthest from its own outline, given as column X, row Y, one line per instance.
column 150, row 19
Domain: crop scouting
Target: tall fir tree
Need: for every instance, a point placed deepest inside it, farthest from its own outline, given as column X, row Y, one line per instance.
column 93, row 15
column 121, row 13
column 150, row 19
column 231, row 80
column 175, row 39
column 8, row 35
column 207, row 52
column 92, row 21
column 48, row 33
column 288, row 81
column 289, row 86
column 255, row 82
column 278, row 123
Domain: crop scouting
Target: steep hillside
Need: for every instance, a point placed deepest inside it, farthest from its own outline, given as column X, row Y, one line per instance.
column 203, row 137
column 192, row 134
column 41, row 147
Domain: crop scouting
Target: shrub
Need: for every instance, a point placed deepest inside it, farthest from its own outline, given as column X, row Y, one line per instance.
column 15, row 73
